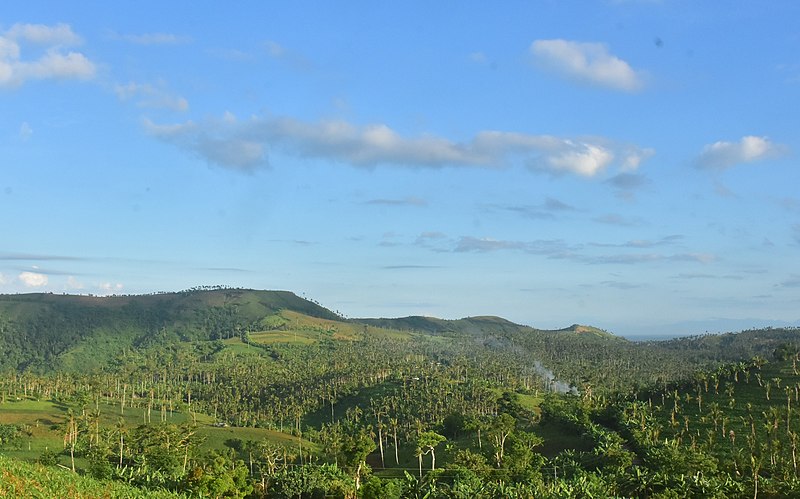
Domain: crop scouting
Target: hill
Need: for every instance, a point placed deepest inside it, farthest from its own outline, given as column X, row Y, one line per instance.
column 50, row 332
column 76, row 333
column 174, row 389
column 46, row 332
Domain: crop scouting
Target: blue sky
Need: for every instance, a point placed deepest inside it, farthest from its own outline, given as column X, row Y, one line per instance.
column 626, row 164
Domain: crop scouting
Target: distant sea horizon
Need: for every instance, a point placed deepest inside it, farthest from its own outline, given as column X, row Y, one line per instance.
column 702, row 327
column 653, row 337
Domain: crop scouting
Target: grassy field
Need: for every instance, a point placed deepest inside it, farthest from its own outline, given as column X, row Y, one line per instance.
column 43, row 421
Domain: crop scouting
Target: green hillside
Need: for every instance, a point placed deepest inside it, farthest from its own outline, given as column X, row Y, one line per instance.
column 66, row 332
column 233, row 391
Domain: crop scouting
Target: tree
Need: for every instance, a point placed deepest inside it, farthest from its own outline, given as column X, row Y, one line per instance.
column 354, row 450
column 121, row 431
column 427, row 442
column 501, row 428
column 220, row 476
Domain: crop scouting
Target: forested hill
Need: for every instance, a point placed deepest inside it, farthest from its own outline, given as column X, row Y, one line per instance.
column 47, row 332
column 50, row 331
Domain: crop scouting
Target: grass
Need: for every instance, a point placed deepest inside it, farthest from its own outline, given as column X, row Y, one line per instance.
column 296, row 337
column 216, row 438
column 93, row 353
column 43, row 418
column 361, row 399
column 22, row 480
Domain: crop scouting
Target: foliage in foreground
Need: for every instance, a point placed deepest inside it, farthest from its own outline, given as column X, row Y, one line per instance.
column 19, row 479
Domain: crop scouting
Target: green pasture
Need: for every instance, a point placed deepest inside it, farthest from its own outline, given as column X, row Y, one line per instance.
column 43, row 422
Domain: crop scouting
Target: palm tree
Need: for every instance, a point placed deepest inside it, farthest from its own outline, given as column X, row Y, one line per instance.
column 393, row 425
column 121, row 430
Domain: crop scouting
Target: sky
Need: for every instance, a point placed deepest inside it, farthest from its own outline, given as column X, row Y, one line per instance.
column 631, row 165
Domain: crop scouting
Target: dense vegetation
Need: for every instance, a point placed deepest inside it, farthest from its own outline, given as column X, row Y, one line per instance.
column 228, row 392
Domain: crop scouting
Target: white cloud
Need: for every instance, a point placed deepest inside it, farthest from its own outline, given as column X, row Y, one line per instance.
column 748, row 149
column 274, row 49
column 588, row 160
column 25, row 131
column 41, row 34
column 586, row 62
column 109, row 287
column 243, row 145
column 150, row 96
column 3, row 279
column 33, row 279
column 294, row 60
column 73, row 283
column 212, row 143
column 53, row 63
column 478, row 57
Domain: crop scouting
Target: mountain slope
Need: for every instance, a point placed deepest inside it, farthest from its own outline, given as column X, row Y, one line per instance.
column 47, row 331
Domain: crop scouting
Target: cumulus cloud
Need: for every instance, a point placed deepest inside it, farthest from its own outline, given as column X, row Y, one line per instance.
column 41, row 34
column 586, row 62
column 33, row 279
column 3, row 279
column 150, row 96
column 54, row 61
column 243, row 145
column 748, row 149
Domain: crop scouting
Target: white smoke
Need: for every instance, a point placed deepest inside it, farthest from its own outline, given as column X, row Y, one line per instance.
column 550, row 381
